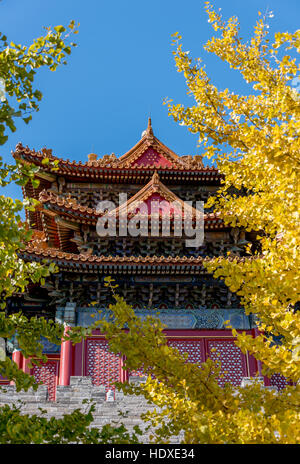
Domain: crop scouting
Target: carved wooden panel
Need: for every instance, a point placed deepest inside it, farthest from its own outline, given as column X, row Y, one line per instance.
column 233, row 362
column 194, row 349
column 47, row 373
column 102, row 366
column 279, row 381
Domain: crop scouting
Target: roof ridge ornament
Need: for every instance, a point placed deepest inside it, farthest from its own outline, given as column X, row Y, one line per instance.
column 71, row 200
column 149, row 130
column 155, row 178
column 148, row 133
column 47, row 152
column 92, row 157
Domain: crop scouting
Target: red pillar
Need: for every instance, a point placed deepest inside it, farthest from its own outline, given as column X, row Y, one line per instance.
column 124, row 375
column 65, row 361
column 17, row 357
column 78, row 361
column 25, row 366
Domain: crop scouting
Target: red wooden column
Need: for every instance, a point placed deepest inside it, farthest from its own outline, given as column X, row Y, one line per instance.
column 65, row 367
column 78, row 361
column 25, row 367
column 17, row 357
column 66, row 316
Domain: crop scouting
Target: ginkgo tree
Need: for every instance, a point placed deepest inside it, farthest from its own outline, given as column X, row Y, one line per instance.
column 262, row 130
column 254, row 139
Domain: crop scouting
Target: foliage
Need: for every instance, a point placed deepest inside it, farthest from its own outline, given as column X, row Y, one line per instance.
column 18, row 65
column 260, row 191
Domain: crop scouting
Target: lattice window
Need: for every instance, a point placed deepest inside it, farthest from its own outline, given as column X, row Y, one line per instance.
column 47, row 373
column 103, row 366
column 232, row 361
column 279, row 381
column 139, row 373
column 192, row 347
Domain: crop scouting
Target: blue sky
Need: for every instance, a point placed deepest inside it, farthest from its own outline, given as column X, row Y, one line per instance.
column 122, row 70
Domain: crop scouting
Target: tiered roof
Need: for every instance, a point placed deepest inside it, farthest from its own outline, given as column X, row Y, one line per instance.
column 70, row 209
column 58, row 217
column 61, row 215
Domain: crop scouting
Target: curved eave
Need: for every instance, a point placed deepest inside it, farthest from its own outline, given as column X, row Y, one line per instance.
column 111, row 265
column 212, row 222
column 92, row 171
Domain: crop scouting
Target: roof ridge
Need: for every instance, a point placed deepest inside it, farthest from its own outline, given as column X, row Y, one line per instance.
column 54, row 252
column 181, row 163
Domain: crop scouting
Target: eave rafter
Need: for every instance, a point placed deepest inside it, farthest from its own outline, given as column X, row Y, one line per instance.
column 112, row 264
column 117, row 264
